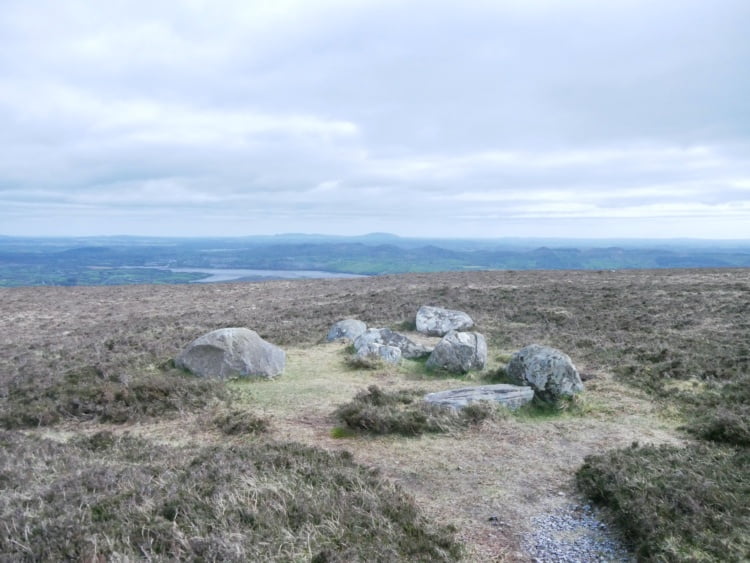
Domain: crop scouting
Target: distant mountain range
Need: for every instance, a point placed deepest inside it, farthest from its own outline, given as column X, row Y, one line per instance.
column 128, row 259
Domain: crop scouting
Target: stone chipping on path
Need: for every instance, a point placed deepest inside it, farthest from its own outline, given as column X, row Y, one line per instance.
column 573, row 533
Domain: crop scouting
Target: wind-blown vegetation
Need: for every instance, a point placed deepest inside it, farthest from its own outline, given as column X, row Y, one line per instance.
column 105, row 498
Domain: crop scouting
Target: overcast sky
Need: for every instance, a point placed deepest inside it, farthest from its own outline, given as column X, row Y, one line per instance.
column 569, row 118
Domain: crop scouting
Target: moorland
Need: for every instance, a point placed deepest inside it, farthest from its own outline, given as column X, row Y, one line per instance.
column 109, row 452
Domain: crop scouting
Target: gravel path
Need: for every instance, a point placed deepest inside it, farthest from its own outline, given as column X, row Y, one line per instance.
column 574, row 534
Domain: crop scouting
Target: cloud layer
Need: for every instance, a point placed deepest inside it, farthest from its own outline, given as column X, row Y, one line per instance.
column 513, row 118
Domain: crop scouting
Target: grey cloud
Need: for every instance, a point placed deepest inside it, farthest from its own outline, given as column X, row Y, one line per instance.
column 352, row 115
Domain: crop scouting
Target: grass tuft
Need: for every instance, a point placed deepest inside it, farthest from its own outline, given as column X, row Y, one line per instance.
column 574, row 406
column 238, row 421
column 354, row 361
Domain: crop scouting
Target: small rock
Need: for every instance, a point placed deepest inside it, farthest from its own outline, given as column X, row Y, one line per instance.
column 389, row 354
column 547, row 370
column 385, row 336
column 459, row 352
column 436, row 321
column 348, row 328
column 232, row 352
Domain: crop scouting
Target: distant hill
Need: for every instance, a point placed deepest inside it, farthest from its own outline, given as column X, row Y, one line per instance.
column 127, row 259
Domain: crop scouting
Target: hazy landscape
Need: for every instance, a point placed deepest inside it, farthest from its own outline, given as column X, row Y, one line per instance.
column 126, row 260
column 112, row 453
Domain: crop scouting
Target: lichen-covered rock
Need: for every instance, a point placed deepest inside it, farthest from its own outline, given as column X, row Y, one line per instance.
column 389, row 354
column 548, row 371
column 232, row 352
column 348, row 328
column 436, row 321
column 385, row 336
column 511, row 396
column 459, row 352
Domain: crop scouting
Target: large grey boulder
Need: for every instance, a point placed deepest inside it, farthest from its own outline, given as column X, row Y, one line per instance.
column 511, row 396
column 385, row 336
column 459, row 352
column 436, row 321
column 389, row 354
column 547, row 370
column 232, row 352
column 348, row 328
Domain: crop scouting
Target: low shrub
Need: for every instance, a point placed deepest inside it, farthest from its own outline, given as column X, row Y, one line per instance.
column 723, row 414
column 403, row 412
column 407, row 325
column 238, row 421
column 730, row 425
column 676, row 503
column 354, row 361
column 576, row 405
column 87, row 395
column 499, row 375
column 477, row 412
column 88, row 500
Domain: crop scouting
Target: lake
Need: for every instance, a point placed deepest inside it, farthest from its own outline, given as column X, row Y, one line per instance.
column 221, row 275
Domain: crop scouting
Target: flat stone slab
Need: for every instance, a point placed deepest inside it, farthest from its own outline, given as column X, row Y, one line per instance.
column 511, row 396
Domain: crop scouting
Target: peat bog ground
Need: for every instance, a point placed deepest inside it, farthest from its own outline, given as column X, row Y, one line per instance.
column 108, row 451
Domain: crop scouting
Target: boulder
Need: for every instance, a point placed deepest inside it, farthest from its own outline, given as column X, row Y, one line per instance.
column 511, row 396
column 385, row 336
column 348, row 328
column 370, row 336
column 435, row 321
column 459, row 352
column 389, row 354
column 232, row 352
column 547, row 370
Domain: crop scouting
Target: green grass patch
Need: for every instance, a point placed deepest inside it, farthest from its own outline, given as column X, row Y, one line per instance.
column 417, row 369
column 110, row 497
column 340, row 432
column 676, row 503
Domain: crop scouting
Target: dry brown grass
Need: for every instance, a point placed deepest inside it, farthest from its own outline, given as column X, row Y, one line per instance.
column 633, row 333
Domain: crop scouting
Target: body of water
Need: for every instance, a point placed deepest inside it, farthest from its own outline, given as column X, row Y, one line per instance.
column 221, row 275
